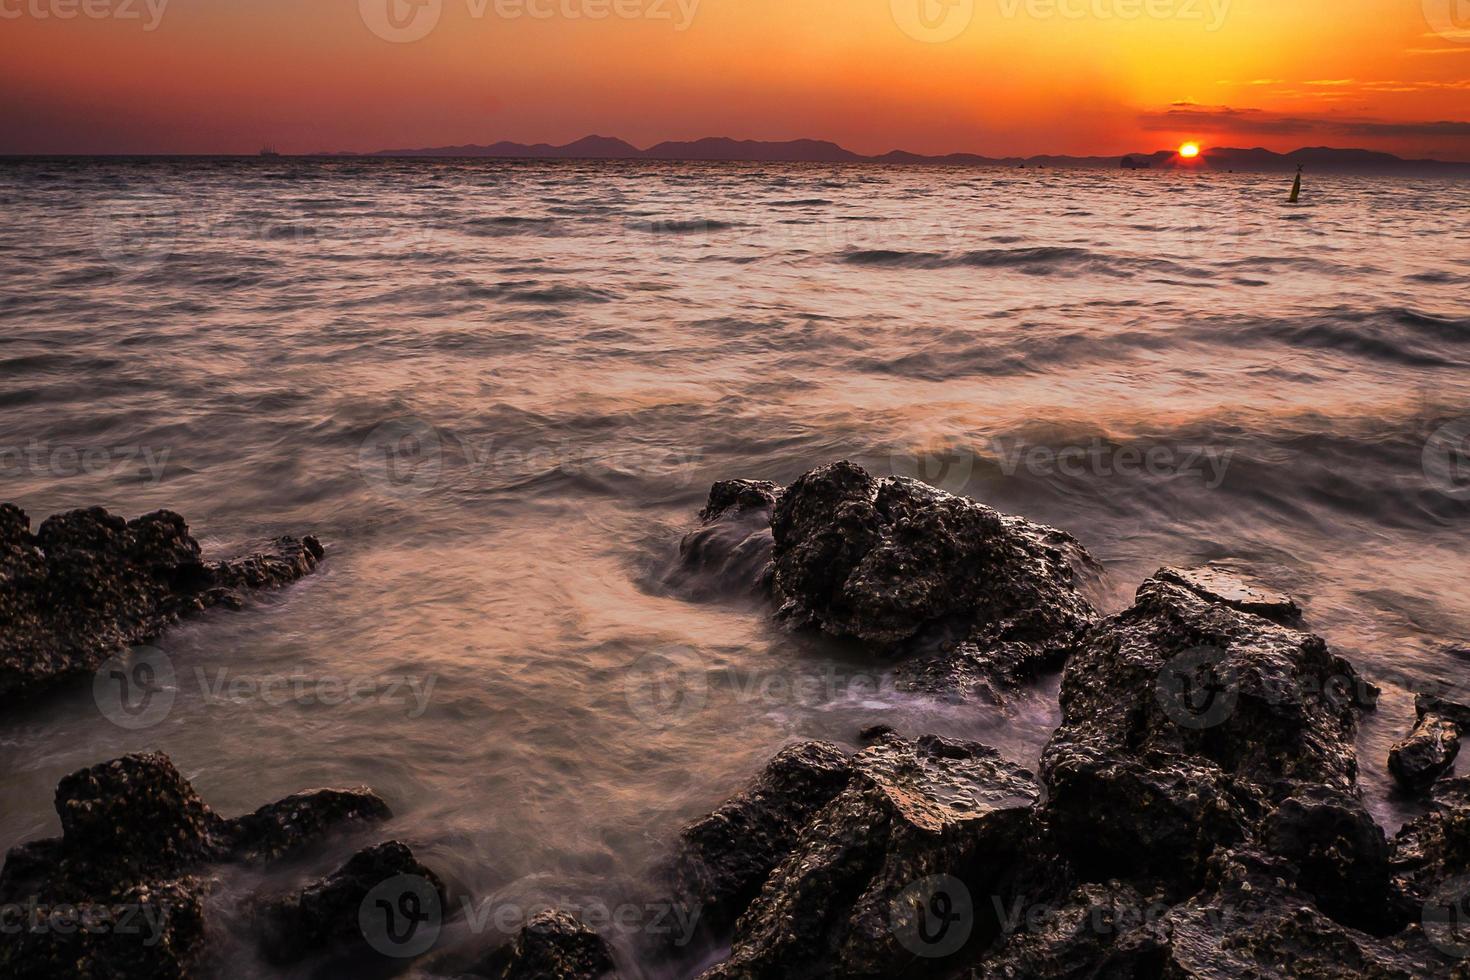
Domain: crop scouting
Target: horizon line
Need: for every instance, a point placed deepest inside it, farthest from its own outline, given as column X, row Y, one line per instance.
column 445, row 151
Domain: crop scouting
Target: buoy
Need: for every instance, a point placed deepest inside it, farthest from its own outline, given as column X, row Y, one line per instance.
column 1296, row 187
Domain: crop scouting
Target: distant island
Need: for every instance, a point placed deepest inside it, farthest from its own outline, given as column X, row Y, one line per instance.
column 1319, row 159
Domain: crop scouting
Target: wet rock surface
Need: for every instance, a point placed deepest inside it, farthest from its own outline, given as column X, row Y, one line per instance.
column 851, row 896
column 1198, row 814
column 1430, row 856
column 88, row 583
column 730, row 552
column 1184, row 723
column 552, row 946
column 725, row 857
column 328, row 915
column 1430, row 750
column 1233, row 590
column 137, row 841
column 973, row 601
column 281, row 828
column 1250, row 924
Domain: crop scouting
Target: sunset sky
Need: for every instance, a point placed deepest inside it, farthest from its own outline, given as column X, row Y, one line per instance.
column 987, row 76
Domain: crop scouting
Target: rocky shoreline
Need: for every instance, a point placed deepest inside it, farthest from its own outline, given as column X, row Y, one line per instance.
column 1196, row 814
column 88, row 584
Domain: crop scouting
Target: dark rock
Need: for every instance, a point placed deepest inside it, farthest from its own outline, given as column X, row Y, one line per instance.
column 1430, row 750
column 1432, row 852
column 731, row 550
column 1158, row 815
column 88, row 584
column 1201, row 816
column 1252, row 923
column 1230, row 589
column 280, row 828
column 1099, row 930
column 552, row 946
column 933, row 825
column 1184, row 722
column 740, row 496
column 724, row 858
column 977, row 602
column 1426, row 754
column 884, row 561
column 325, row 916
column 1248, row 922
column 288, row 560
column 136, row 813
column 136, row 838
column 1339, row 857
column 874, row 733
column 1434, row 704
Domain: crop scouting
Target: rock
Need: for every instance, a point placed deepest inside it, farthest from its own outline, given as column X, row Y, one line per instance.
column 724, row 858
column 1431, row 854
column 885, row 561
column 88, row 584
column 1248, row 922
column 740, row 497
column 874, row 733
column 1434, row 704
column 1227, row 588
column 326, row 915
column 1184, row 723
column 1098, row 930
column 552, row 946
column 1430, row 750
column 281, row 828
column 137, row 838
column 731, row 549
column 1427, row 753
column 1252, row 923
column 1157, row 816
column 1339, row 856
column 932, row 826
column 976, row 601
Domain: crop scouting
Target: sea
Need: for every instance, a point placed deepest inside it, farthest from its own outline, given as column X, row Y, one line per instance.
column 499, row 392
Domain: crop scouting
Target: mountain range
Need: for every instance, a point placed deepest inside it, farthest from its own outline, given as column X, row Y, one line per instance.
column 1320, row 159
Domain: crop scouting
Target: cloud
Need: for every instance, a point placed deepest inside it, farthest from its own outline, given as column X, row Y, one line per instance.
column 1338, row 88
column 1458, row 130
column 1227, row 119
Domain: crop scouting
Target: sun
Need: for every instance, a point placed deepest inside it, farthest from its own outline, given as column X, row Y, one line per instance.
column 1189, row 151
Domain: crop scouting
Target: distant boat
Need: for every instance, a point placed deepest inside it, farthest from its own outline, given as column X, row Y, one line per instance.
column 269, row 151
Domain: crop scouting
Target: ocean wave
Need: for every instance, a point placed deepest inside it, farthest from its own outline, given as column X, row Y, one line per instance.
column 676, row 226
column 1035, row 260
column 506, row 225
column 1393, row 335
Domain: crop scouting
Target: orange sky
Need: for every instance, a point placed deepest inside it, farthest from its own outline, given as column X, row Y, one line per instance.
column 988, row 76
